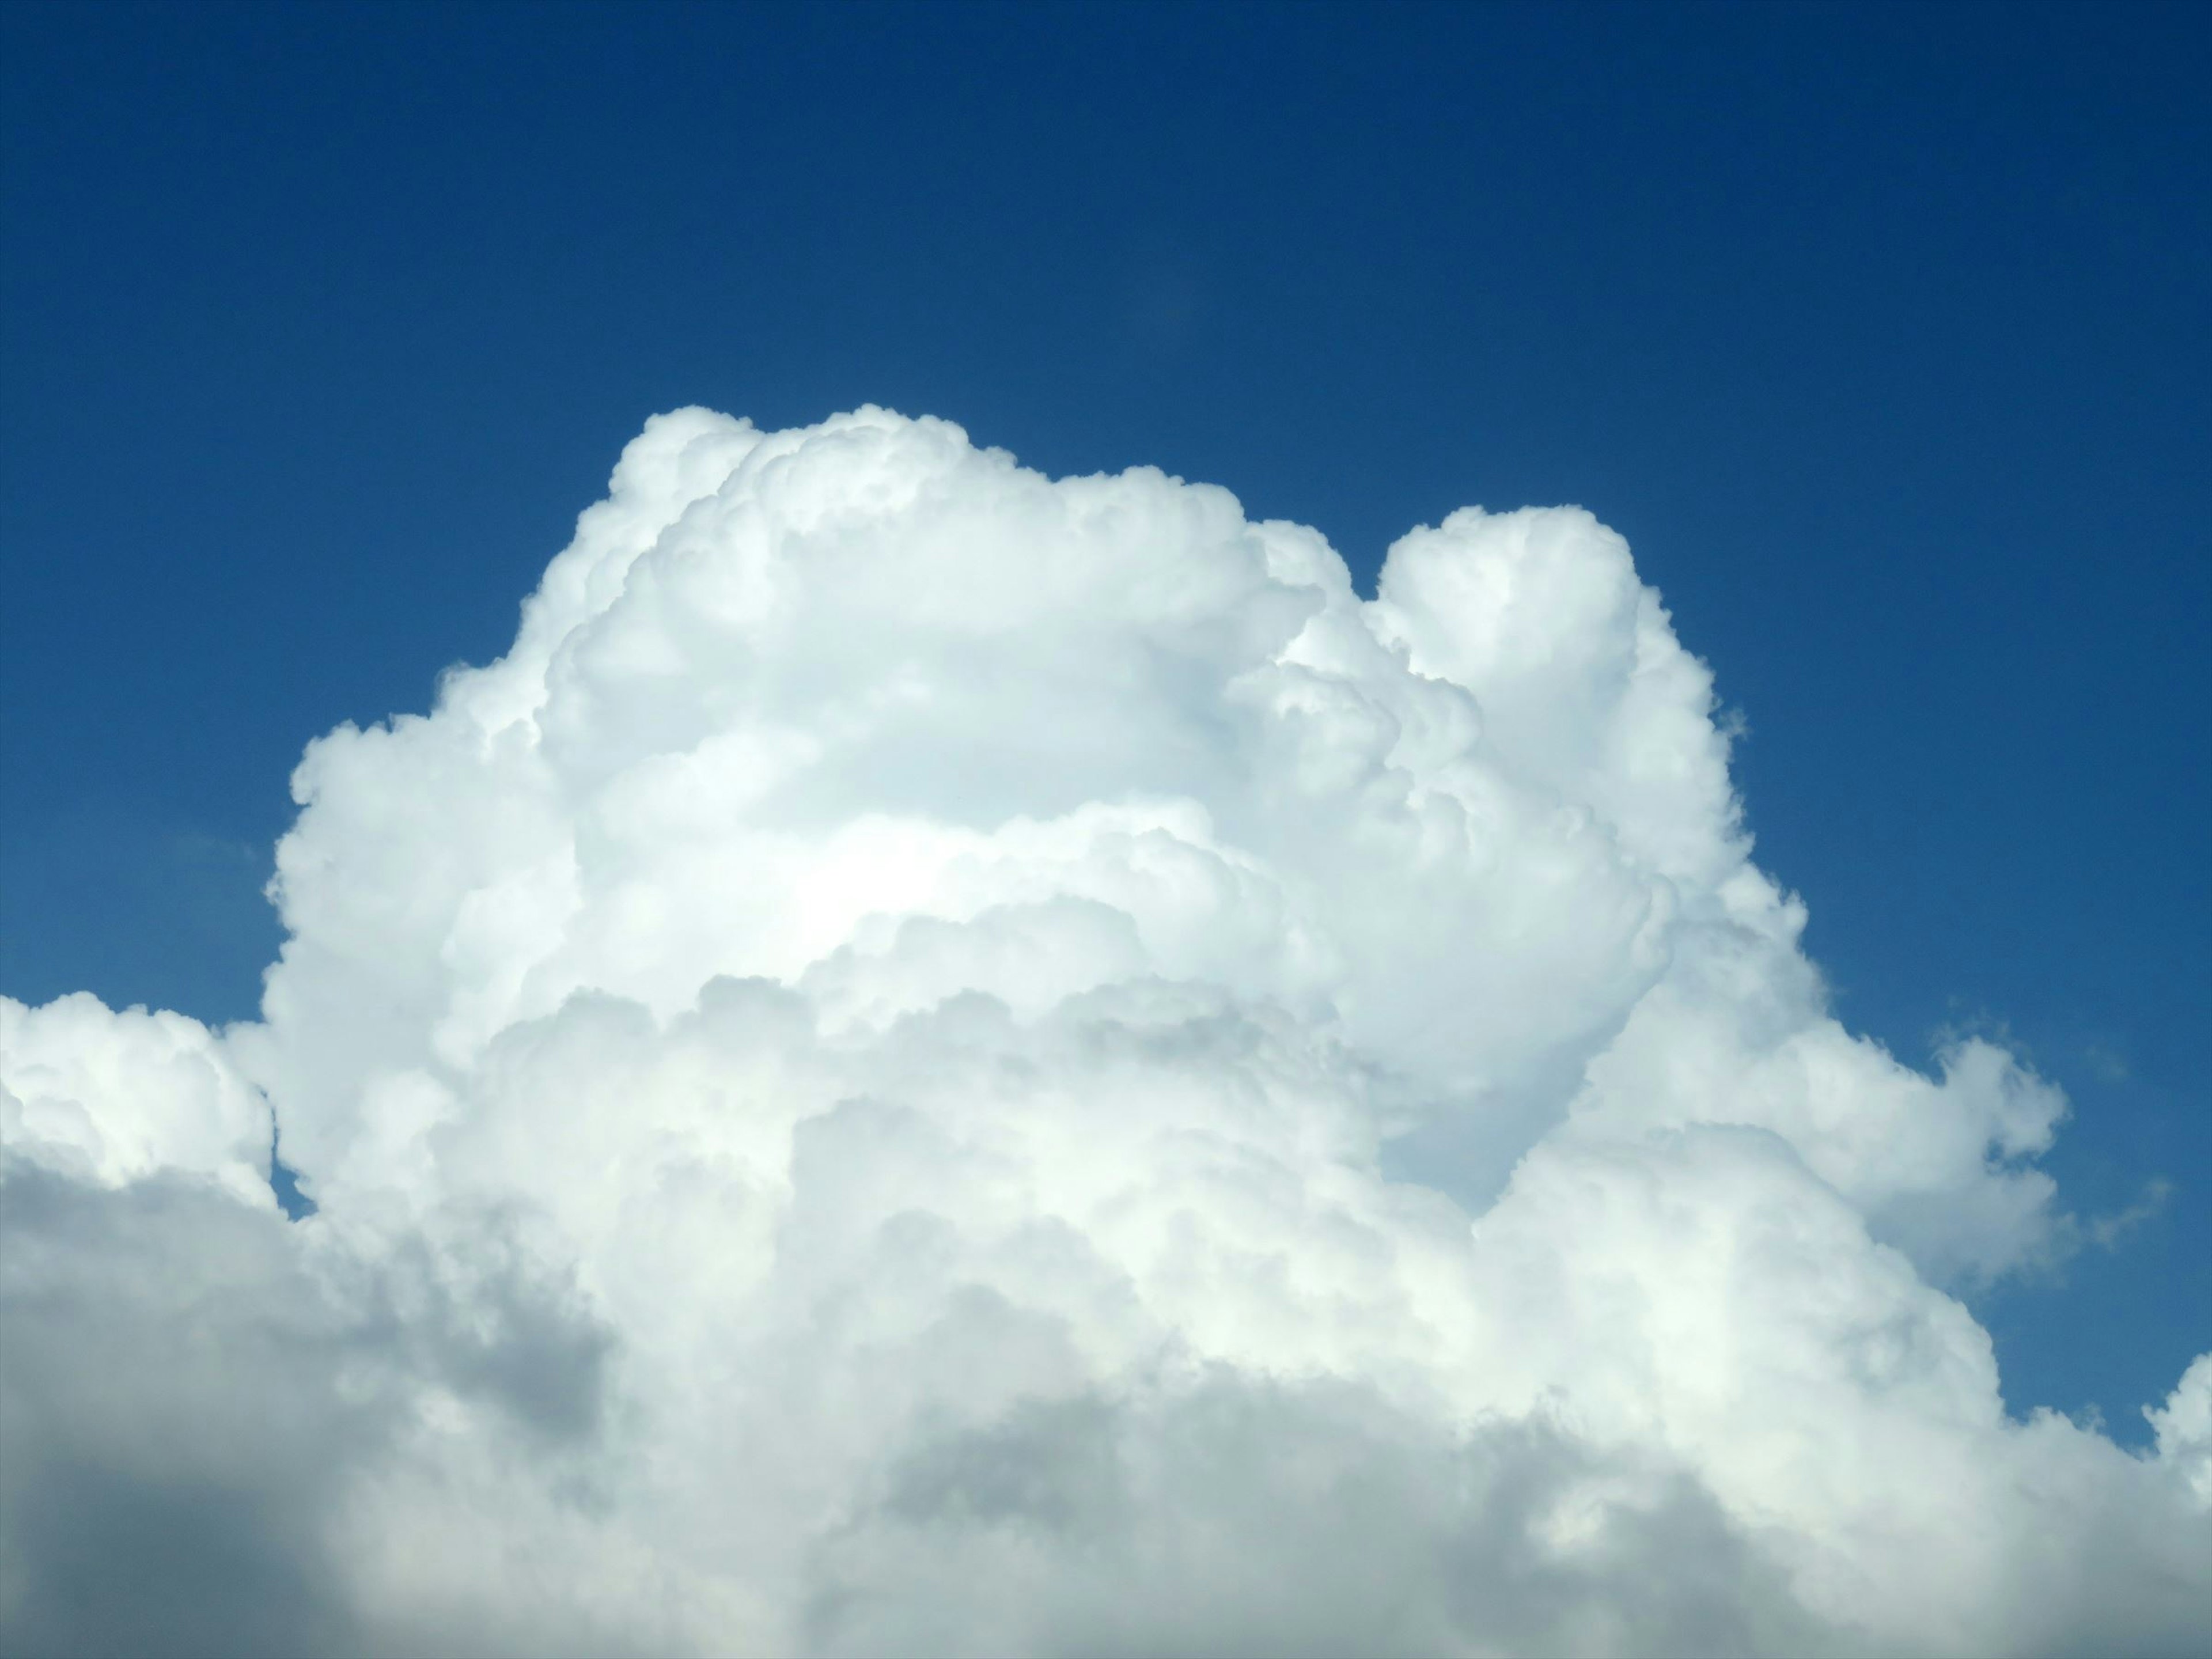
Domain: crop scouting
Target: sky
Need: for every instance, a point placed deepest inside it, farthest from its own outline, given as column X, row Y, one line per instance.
column 1879, row 334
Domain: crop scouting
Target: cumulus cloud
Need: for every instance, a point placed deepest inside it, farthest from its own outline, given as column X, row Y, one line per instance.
column 937, row 1061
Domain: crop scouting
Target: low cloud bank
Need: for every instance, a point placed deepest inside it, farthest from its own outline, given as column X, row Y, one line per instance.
column 944, row 1061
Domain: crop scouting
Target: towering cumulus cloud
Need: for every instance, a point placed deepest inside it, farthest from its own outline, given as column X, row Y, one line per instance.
column 938, row 1060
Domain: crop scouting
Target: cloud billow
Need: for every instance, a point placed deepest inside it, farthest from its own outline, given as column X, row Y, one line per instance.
column 944, row 1061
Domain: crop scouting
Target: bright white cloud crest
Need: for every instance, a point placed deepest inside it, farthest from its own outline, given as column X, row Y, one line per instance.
column 939, row 1060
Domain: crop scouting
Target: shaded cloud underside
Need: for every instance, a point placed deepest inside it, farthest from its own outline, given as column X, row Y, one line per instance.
column 941, row 1061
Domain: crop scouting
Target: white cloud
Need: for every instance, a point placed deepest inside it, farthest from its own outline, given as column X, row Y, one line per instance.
column 942, row 1060
column 114, row 1097
column 2185, row 1428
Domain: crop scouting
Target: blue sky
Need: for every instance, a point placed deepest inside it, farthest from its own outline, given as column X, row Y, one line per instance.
column 1880, row 333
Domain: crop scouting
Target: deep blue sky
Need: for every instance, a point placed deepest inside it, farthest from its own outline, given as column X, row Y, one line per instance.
column 1881, row 333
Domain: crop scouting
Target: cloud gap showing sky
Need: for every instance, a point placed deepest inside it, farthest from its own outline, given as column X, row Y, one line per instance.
column 939, row 1059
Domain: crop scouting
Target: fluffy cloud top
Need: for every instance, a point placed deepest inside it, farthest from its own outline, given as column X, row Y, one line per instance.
column 944, row 1061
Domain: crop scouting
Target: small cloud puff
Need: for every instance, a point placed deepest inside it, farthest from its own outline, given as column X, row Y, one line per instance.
column 939, row 1060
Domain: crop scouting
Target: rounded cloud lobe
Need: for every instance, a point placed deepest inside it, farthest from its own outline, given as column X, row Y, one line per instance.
column 944, row 1061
